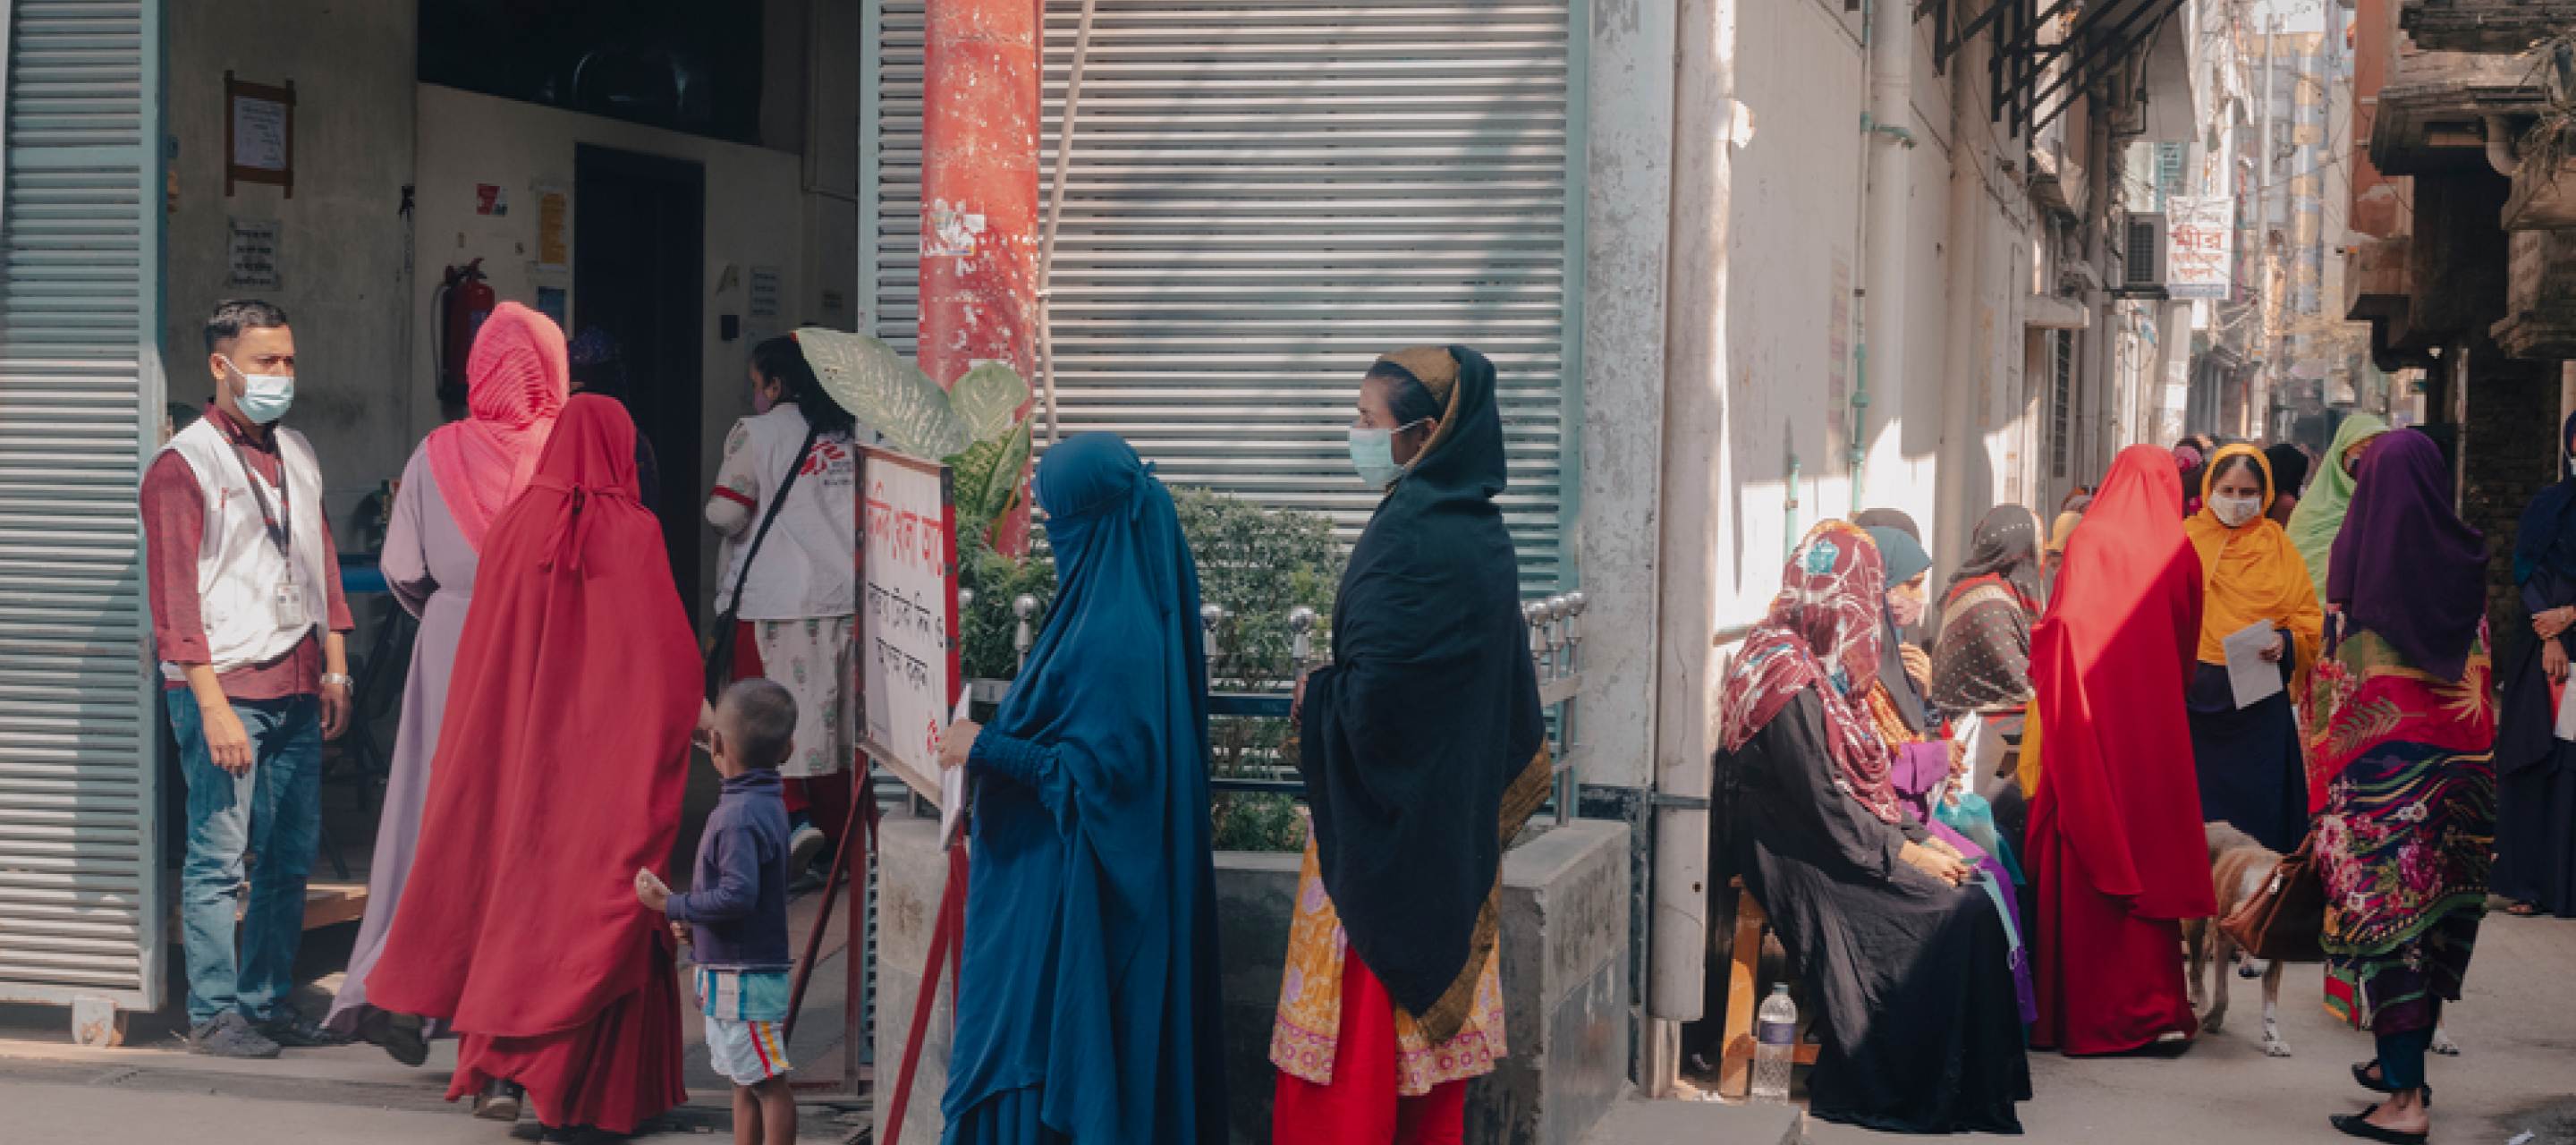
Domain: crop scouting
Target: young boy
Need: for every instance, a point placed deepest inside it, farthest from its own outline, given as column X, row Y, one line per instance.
column 736, row 917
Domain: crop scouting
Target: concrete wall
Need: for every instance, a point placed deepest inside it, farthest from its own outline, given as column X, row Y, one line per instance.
column 1564, row 972
column 755, row 215
column 344, row 276
column 1630, row 116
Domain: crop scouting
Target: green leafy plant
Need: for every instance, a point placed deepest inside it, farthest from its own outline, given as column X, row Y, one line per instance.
column 975, row 426
column 1258, row 564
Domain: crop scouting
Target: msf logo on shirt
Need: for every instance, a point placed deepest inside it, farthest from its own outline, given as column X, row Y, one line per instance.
column 829, row 458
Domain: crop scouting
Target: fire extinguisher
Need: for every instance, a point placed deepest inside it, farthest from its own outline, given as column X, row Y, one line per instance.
column 463, row 301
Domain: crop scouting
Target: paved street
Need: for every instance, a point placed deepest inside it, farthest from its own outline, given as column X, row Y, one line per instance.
column 2517, row 1073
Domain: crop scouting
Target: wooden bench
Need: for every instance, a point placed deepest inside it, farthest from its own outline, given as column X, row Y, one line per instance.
column 1744, row 997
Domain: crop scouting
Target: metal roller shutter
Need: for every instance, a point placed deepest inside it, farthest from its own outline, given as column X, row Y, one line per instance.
column 1265, row 195
column 80, row 890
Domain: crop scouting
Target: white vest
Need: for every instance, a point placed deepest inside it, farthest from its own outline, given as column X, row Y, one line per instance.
column 238, row 567
column 808, row 565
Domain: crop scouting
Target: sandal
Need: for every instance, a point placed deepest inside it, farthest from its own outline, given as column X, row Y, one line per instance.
column 2358, row 1125
column 2523, row 909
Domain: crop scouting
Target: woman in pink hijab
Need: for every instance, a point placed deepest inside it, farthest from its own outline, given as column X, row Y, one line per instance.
column 457, row 482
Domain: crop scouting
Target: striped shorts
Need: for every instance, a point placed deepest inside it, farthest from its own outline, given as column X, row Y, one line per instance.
column 747, row 1053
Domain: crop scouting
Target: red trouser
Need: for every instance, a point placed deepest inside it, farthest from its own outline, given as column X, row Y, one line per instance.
column 1361, row 1106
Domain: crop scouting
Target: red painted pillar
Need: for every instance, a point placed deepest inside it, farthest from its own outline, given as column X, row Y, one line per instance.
column 979, row 195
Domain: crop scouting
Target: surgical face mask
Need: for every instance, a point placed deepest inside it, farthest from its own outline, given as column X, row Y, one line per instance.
column 2235, row 511
column 1905, row 606
column 761, row 402
column 1373, row 454
column 265, row 397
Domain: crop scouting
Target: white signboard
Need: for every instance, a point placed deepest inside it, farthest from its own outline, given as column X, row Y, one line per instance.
column 907, row 612
column 259, row 134
column 2200, row 243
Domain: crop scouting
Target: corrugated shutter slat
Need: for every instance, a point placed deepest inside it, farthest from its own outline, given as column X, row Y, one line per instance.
column 80, row 889
column 1264, row 195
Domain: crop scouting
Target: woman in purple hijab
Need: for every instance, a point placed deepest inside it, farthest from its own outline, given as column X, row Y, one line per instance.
column 2407, row 733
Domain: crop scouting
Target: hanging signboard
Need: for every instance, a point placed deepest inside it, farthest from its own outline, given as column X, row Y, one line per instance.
column 908, row 655
column 2200, row 245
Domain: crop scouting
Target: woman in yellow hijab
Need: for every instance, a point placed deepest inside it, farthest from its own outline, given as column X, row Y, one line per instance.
column 2252, row 576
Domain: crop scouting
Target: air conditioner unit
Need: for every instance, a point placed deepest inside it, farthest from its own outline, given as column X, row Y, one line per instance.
column 2142, row 269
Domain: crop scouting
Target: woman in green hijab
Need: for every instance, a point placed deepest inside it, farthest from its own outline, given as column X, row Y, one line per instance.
column 2320, row 513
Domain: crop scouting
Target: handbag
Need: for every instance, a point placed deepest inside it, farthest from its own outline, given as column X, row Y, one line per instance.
column 719, row 666
column 2284, row 920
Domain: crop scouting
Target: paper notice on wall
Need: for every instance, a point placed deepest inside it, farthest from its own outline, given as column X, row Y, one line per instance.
column 554, row 223
column 491, row 199
column 259, row 133
column 253, row 254
column 765, row 294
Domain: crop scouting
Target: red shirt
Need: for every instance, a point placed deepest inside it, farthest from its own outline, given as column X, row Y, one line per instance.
column 174, row 528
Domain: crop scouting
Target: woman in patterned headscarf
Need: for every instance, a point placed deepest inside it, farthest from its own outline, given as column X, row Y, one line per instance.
column 1981, row 663
column 1907, row 970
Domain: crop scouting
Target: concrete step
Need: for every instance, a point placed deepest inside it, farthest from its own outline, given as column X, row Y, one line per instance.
column 1637, row 1121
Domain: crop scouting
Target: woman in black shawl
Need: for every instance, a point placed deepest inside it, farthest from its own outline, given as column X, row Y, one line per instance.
column 2536, row 797
column 1423, row 752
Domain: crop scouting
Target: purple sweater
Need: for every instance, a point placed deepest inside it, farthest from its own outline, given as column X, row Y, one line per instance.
column 737, row 904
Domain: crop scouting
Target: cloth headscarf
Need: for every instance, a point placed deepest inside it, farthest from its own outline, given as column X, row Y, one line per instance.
column 516, row 383
column 1901, row 557
column 599, row 362
column 1423, row 747
column 1982, row 661
column 2405, row 566
column 2252, row 573
column 2005, row 544
column 2320, row 513
column 2289, row 468
column 2192, row 456
column 2546, row 536
column 1091, row 949
column 2110, row 663
column 1823, row 633
column 548, row 778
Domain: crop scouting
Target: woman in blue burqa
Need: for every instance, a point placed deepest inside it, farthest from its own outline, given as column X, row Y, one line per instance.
column 1088, row 1006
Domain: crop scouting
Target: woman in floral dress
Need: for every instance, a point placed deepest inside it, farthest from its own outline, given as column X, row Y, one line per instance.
column 2404, row 846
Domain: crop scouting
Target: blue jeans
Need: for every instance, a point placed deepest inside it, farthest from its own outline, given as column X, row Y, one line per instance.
column 272, row 818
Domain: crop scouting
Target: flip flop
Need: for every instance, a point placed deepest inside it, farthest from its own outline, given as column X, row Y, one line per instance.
column 2358, row 1125
column 2523, row 909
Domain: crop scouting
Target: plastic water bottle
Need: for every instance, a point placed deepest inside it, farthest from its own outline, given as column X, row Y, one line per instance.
column 1774, row 1046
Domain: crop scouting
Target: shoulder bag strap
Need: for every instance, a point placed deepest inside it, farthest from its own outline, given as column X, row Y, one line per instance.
column 777, row 501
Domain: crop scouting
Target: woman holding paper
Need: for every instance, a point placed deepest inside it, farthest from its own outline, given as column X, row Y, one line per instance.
column 2402, row 848
column 2536, row 813
column 2259, row 628
column 1090, row 973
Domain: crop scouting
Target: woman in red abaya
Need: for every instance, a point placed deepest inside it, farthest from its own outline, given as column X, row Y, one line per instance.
column 559, row 770
column 2115, row 841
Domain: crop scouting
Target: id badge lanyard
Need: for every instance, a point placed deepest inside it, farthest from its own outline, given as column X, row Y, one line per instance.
column 280, row 522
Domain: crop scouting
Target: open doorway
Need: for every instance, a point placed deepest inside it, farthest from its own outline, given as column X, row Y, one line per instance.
column 639, row 226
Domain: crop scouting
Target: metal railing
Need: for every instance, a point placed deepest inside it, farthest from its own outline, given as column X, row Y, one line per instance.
column 1556, row 645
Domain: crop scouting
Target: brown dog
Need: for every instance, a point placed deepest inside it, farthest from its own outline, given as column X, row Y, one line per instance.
column 2237, row 867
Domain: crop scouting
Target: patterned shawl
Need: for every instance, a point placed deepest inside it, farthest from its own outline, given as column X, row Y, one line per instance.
column 1822, row 632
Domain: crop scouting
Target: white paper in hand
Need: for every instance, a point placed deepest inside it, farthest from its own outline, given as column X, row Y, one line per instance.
column 952, row 788
column 2253, row 678
column 2567, row 712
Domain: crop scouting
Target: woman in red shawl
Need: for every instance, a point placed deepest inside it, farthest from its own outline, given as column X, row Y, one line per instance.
column 576, row 686
column 457, row 482
column 1905, row 957
column 2115, row 846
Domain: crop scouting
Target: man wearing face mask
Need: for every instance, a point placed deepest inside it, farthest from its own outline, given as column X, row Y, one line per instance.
column 248, row 622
